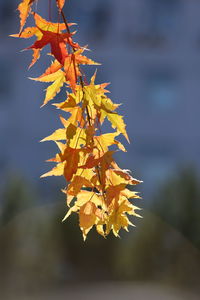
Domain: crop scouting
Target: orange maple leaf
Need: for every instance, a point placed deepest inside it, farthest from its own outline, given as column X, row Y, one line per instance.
column 24, row 9
column 54, row 67
column 67, row 166
column 72, row 69
column 60, row 4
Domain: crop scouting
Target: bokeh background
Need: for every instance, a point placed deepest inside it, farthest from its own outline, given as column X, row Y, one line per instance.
column 150, row 52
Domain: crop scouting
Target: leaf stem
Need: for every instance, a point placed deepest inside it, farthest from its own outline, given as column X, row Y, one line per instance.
column 87, row 110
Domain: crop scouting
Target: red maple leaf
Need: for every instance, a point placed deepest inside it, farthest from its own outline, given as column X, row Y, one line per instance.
column 58, row 42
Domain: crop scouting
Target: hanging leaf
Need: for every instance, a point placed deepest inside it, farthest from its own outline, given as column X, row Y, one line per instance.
column 96, row 187
column 60, row 4
column 24, row 9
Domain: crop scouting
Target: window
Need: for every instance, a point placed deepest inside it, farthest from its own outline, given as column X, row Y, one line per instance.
column 157, row 171
column 100, row 19
column 6, row 14
column 5, row 80
column 92, row 18
column 158, row 158
column 163, row 15
column 160, row 20
column 161, row 91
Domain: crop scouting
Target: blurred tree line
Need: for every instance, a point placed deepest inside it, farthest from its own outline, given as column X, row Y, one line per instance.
column 37, row 249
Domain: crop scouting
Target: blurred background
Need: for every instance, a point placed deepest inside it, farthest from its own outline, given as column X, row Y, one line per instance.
column 150, row 52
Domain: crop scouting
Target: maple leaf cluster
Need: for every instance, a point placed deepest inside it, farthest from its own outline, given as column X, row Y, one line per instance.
column 96, row 186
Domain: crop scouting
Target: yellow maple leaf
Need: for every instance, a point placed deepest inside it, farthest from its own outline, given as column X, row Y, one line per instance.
column 70, row 102
column 117, row 218
column 87, row 218
column 58, row 135
column 58, row 170
column 76, row 117
column 77, row 183
column 89, row 214
column 85, row 196
column 116, row 122
column 103, row 141
column 58, row 79
column 55, row 87
column 49, row 77
column 50, row 26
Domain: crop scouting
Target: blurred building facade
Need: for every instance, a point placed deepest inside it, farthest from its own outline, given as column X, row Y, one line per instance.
column 150, row 52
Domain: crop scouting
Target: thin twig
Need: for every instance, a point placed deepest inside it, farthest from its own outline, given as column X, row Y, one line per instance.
column 87, row 110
